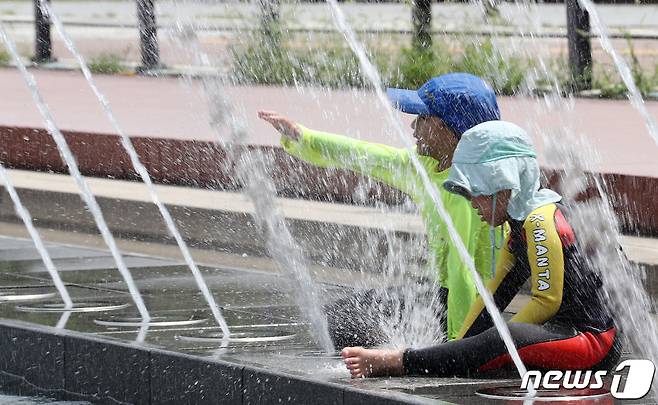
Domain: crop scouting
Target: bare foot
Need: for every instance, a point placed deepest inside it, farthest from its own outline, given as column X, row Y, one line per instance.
column 372, row 362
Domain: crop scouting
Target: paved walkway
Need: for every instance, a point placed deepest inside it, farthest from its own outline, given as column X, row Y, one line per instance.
column 167, row 108
column 446, row 15
column 221, row 25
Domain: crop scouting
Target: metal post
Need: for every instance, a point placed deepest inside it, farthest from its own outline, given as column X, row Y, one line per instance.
column 490, row 9
column 269, row 21
column 148, row 35
column 580, row 47
column 421, row 16
column 43, row 49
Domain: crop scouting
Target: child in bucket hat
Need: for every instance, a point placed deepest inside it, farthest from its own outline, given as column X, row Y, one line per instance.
column 566, row 324
column 445, row 106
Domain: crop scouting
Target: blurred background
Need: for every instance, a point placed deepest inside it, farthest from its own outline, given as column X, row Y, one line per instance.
column 284, row 42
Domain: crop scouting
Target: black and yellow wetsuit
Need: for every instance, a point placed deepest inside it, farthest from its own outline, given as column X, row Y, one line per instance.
column 565, row 326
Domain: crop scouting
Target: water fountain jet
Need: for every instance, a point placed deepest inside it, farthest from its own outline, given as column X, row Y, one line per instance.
column 251, row 171
column 594, row 220
column 624, row 71
column 370, row 72
column 85, row 192
column 143, row 173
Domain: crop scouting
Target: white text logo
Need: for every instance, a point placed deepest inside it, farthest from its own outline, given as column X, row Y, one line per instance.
column 637, row 385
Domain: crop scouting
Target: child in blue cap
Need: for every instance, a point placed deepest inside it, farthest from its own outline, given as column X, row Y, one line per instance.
column 446, row 106
column 565, row 325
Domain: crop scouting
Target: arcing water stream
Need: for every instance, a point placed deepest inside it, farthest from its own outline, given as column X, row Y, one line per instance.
column 69, row 159
column 27, row 220
column 251, row 170
column 141, row 170
column 373, row 77
column 622, row 67
column 595, row 221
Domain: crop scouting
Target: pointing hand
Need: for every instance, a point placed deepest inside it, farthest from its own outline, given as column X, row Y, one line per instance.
column 284, row 125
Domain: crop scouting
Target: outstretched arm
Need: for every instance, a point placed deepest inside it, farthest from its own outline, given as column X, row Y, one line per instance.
column 383, row 162
column 286, row 127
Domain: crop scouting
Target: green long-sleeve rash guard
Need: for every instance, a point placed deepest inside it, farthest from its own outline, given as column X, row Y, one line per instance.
column 393, row 166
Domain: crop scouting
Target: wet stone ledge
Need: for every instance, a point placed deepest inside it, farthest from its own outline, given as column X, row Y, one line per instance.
column 74, row 366
column 101, row 155
column 326, row 243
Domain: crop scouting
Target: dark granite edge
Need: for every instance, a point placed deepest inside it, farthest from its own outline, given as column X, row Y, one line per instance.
column 86, row 367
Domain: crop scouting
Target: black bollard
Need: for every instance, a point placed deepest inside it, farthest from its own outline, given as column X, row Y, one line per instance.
column 269, row 23
column 580, row 47
column 148, row 35
column 43, row 49
column 421, row 16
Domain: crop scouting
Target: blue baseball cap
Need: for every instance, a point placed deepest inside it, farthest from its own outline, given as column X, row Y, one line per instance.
column 461, row 100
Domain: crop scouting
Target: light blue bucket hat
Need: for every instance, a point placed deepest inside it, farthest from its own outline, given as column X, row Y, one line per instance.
column 496, row 156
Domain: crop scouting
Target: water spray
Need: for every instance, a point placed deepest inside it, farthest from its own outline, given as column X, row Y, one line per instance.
column 85, row 192
column 141, row 170
column 24, row 214
column 624, row 71
column 252, row 172
column 373, row 76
